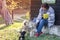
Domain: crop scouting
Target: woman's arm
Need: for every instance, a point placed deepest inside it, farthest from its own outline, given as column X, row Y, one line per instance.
column 51, row 18
column 39, row 16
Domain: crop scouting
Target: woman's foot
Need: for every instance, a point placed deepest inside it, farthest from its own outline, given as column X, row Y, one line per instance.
column 41, row 33
column 38, row 34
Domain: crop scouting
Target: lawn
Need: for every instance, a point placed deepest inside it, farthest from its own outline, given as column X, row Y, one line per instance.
column 44, row 37
column 11, row 32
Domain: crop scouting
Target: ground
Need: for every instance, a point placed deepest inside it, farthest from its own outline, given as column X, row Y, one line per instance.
column 11, row 32
column 44, row 37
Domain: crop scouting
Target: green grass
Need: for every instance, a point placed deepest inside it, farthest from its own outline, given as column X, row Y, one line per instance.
column 10, row 32
column 44, row 37
column 12, row 26
column 8, row 35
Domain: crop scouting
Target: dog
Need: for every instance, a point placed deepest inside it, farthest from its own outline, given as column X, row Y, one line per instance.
column 30, row 27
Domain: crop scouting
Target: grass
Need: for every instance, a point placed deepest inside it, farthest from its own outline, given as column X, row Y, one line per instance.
column 44, row 37
column 11, row 33
column 8, row 35
column 1, row 20
column 13, row 26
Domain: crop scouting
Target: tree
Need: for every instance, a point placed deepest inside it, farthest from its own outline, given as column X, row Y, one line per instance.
column 14, row 4
column 5, row 13
column 11, row 5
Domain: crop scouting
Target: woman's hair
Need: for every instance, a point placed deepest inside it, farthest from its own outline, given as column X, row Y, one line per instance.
column 45, row 5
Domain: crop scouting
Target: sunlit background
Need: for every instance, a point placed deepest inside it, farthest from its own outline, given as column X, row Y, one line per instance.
column 18, row 9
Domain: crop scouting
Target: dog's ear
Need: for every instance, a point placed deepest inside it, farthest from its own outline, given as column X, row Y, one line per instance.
column 24, row 23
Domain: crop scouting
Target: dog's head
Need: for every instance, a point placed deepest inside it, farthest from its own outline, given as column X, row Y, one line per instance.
column 32, row 24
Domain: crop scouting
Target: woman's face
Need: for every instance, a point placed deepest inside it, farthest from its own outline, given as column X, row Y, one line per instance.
column 44, row 9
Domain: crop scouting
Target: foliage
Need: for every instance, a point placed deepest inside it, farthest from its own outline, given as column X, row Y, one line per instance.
column 13, row 4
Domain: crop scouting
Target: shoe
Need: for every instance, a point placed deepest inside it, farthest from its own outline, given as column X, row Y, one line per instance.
column 40, row 33
column 37, row 34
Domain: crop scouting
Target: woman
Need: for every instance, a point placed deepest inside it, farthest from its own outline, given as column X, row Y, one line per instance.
column 45, row 8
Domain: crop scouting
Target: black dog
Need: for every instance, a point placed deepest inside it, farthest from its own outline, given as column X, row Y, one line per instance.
column 22, row 36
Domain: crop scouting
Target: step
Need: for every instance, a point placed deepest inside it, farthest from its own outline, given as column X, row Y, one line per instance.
column 53, row 30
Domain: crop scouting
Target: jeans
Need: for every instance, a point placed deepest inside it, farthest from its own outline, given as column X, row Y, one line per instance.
column 40, row 25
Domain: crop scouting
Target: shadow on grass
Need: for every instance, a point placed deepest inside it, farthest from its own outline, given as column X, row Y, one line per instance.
column 3, row 27
column 18, row 21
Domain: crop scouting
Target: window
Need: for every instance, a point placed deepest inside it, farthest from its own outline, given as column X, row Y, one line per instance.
column 49, row 1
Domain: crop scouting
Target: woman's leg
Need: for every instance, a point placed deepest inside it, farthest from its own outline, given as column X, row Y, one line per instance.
column 40, row 26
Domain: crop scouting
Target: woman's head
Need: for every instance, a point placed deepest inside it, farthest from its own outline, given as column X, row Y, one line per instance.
column 45, row 6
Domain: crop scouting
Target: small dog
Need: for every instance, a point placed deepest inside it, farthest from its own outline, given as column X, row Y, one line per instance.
column 30, row 27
